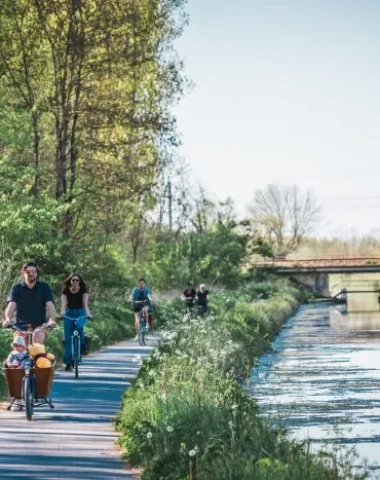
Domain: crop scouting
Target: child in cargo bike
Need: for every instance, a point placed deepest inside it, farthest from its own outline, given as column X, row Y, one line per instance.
column 19, row 357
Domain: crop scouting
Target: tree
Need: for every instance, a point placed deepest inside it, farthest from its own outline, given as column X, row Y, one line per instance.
column 86, row 125
column 284, row 215
column 97, row 81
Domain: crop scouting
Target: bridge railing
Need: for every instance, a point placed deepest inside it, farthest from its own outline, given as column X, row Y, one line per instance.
column 321, row 262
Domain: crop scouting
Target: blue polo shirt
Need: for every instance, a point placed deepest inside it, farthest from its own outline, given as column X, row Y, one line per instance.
column 30, row 303
column 138, row 294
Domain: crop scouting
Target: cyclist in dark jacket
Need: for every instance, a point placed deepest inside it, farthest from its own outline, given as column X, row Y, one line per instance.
column 189, row 297
column 202, row 299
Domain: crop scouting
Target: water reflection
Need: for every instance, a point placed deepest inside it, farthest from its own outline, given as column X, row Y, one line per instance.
column 323, row 371
column 361, row 313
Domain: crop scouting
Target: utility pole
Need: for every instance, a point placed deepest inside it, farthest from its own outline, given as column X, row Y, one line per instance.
column 168, row 195
column 170, row 202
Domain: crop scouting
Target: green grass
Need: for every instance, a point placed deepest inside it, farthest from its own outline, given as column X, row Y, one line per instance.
column 187, row 416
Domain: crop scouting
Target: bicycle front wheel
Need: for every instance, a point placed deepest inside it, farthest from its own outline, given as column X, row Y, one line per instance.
column 142, row 332
column 28, row 397
column 76, row 354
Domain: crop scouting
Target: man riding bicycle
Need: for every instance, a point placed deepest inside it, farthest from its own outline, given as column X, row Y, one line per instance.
column 189, row 296
column 31, row 299
column 141, row 298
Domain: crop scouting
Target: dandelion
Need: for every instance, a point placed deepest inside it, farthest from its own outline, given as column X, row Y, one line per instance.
column 169, row 428
column 137, row 359
column 192, row 453
column 230, row 424
column 149, row 435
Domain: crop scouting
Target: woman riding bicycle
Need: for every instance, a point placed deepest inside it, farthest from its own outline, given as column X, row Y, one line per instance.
column 74, row 306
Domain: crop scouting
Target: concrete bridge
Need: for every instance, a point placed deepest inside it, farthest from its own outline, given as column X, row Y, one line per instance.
column 314, row 272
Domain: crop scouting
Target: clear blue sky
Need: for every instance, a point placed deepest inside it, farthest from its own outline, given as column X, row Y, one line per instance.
column 286, row 92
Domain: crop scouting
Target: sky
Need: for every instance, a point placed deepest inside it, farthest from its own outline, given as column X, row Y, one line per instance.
column 287, row 92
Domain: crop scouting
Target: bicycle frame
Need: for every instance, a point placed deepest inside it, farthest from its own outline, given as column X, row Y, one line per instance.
column 142, row 323
column 75, row 346
column 190, row 306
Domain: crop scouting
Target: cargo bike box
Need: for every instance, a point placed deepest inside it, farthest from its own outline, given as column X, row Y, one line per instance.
column 29, row 388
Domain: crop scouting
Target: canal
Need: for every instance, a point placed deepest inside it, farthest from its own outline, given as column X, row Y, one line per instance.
column 321, row 378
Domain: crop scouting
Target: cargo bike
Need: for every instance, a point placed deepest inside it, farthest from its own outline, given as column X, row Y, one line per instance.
column 29, row 387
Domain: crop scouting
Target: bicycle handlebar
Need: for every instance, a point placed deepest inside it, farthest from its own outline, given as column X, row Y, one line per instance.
column 31, row 332
column 76, row 318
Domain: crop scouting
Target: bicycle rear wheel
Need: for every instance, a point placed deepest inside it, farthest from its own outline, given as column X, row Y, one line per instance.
column 28, row 397
column 76, row 355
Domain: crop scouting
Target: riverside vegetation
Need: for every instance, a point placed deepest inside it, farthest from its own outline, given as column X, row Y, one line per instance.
column 187, row 415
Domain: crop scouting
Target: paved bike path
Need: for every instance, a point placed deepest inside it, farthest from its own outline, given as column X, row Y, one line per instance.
column 76, row 439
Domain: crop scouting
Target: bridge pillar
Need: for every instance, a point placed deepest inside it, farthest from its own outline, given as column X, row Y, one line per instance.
column 318, row 282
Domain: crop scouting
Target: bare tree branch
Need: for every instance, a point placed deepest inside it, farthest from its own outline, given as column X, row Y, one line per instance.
column 284, row 215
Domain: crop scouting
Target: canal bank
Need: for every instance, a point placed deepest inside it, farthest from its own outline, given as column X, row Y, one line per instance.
column 321, row 378
column 187, row 414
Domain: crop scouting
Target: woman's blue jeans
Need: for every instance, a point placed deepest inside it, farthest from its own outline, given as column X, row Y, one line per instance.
column 68, row 327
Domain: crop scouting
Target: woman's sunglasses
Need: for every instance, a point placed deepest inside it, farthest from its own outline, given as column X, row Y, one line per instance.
column 75, row 279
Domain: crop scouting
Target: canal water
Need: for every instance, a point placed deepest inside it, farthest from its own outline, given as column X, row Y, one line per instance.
column 321, row 378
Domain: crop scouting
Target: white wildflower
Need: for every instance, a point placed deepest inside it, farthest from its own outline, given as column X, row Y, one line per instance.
column 149, row 435
column 192, row 453
column 169, row 428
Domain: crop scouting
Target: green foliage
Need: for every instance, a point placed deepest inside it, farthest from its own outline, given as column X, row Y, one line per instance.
column 214, row 256
column 83, row 140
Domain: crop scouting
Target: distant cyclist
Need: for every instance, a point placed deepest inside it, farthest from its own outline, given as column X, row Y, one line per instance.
column 189, row 297
column 74, row 305
column 30, row 299
column 202, row 299
column 141, row 298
